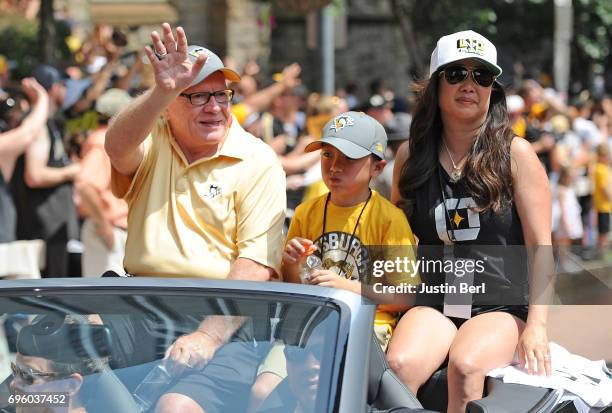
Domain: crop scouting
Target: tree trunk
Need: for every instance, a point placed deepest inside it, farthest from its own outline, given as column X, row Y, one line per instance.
column 403, row 17
column 46, row 32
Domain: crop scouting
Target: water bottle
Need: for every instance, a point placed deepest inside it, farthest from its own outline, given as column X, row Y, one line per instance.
column 311, row 263
column 152, row 387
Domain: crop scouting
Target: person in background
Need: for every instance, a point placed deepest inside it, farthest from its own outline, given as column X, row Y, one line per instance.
column 104, row 231
column 398, row 135
column 260, row 100
column 5, row 73
column 16, row 134
column 379, row 107
column 602, row 196
column 516, row 108
column 350, row 94
column 567, row 223
column 42, row 183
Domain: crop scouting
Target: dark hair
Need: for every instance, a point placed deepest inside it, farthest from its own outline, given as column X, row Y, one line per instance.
column 487, row 169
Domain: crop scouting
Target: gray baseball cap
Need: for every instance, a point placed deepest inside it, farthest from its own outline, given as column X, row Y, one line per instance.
column 355, row 134
column 213, row 64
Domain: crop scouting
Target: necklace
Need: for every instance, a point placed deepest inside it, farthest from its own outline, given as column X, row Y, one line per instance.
column 455, row 175
column 449, row 233
column 323, row 234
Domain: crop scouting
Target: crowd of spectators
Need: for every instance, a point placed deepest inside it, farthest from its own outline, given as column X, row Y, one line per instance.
column 573, row 141
column 55, row 180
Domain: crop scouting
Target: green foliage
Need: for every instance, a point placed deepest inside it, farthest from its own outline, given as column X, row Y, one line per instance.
column 523, row 30
column 593, row 27
column 20, row 43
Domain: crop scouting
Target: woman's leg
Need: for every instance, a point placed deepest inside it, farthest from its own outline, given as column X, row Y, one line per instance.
column 419, row 345
column 484, row 342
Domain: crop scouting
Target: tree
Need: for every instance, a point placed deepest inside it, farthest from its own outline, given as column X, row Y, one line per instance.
column 522, row 30
column 592, row 40
column 22, row 42
column 46, row 32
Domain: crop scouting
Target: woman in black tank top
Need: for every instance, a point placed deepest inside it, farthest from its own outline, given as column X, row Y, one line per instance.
column 470, row 187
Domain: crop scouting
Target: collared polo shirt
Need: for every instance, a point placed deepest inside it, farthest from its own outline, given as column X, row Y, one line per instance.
column 194, row 220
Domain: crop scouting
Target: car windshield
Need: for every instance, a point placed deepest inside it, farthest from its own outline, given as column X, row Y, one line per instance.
column 74, row 345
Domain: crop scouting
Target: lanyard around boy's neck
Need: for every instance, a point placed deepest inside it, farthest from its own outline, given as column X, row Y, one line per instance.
column 323, row 234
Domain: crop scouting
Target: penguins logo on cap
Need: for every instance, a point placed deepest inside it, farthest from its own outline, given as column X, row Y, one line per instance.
column 196, row 52
column 342, row 122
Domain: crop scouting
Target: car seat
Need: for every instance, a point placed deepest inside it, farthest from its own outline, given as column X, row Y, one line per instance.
column 386, row 392
column 104, row 392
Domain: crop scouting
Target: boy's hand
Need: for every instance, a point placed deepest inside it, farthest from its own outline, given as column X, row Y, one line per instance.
column 296, row 248
column 328, row 278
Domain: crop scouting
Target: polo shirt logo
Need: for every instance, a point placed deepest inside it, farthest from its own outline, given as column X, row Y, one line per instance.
column 212, row 191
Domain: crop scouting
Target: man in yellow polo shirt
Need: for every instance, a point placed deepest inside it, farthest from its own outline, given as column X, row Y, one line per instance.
column 206, row 199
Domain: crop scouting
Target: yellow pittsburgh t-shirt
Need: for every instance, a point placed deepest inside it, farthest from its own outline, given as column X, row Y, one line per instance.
column 602, row 180
column 381, row 224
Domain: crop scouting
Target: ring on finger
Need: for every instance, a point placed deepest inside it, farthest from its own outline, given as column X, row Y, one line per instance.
column 546, row 356
column 160, row 56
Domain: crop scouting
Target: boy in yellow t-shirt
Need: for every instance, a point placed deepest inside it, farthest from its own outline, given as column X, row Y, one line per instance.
column 602, row 195
column 344, row 223
column 341, row 225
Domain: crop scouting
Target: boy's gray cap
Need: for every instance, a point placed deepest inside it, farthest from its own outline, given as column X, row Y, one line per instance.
column 213, row 64
column 355, row 134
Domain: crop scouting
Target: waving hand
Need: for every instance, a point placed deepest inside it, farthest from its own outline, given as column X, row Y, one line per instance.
column 173, row 69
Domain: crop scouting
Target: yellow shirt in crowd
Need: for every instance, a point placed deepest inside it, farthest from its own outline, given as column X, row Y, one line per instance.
column 602, row 180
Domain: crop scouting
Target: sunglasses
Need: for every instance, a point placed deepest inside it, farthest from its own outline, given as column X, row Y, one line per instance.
column 296, row 354
column 457, row 74
column 29, row 376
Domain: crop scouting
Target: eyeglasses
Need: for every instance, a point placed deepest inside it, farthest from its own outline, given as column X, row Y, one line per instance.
column 456, row 74
column 29, row 376
column 201, row 98
column 296, row 354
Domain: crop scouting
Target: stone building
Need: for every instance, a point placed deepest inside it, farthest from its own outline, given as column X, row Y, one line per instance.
column 371, row 47
column 369, row 42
